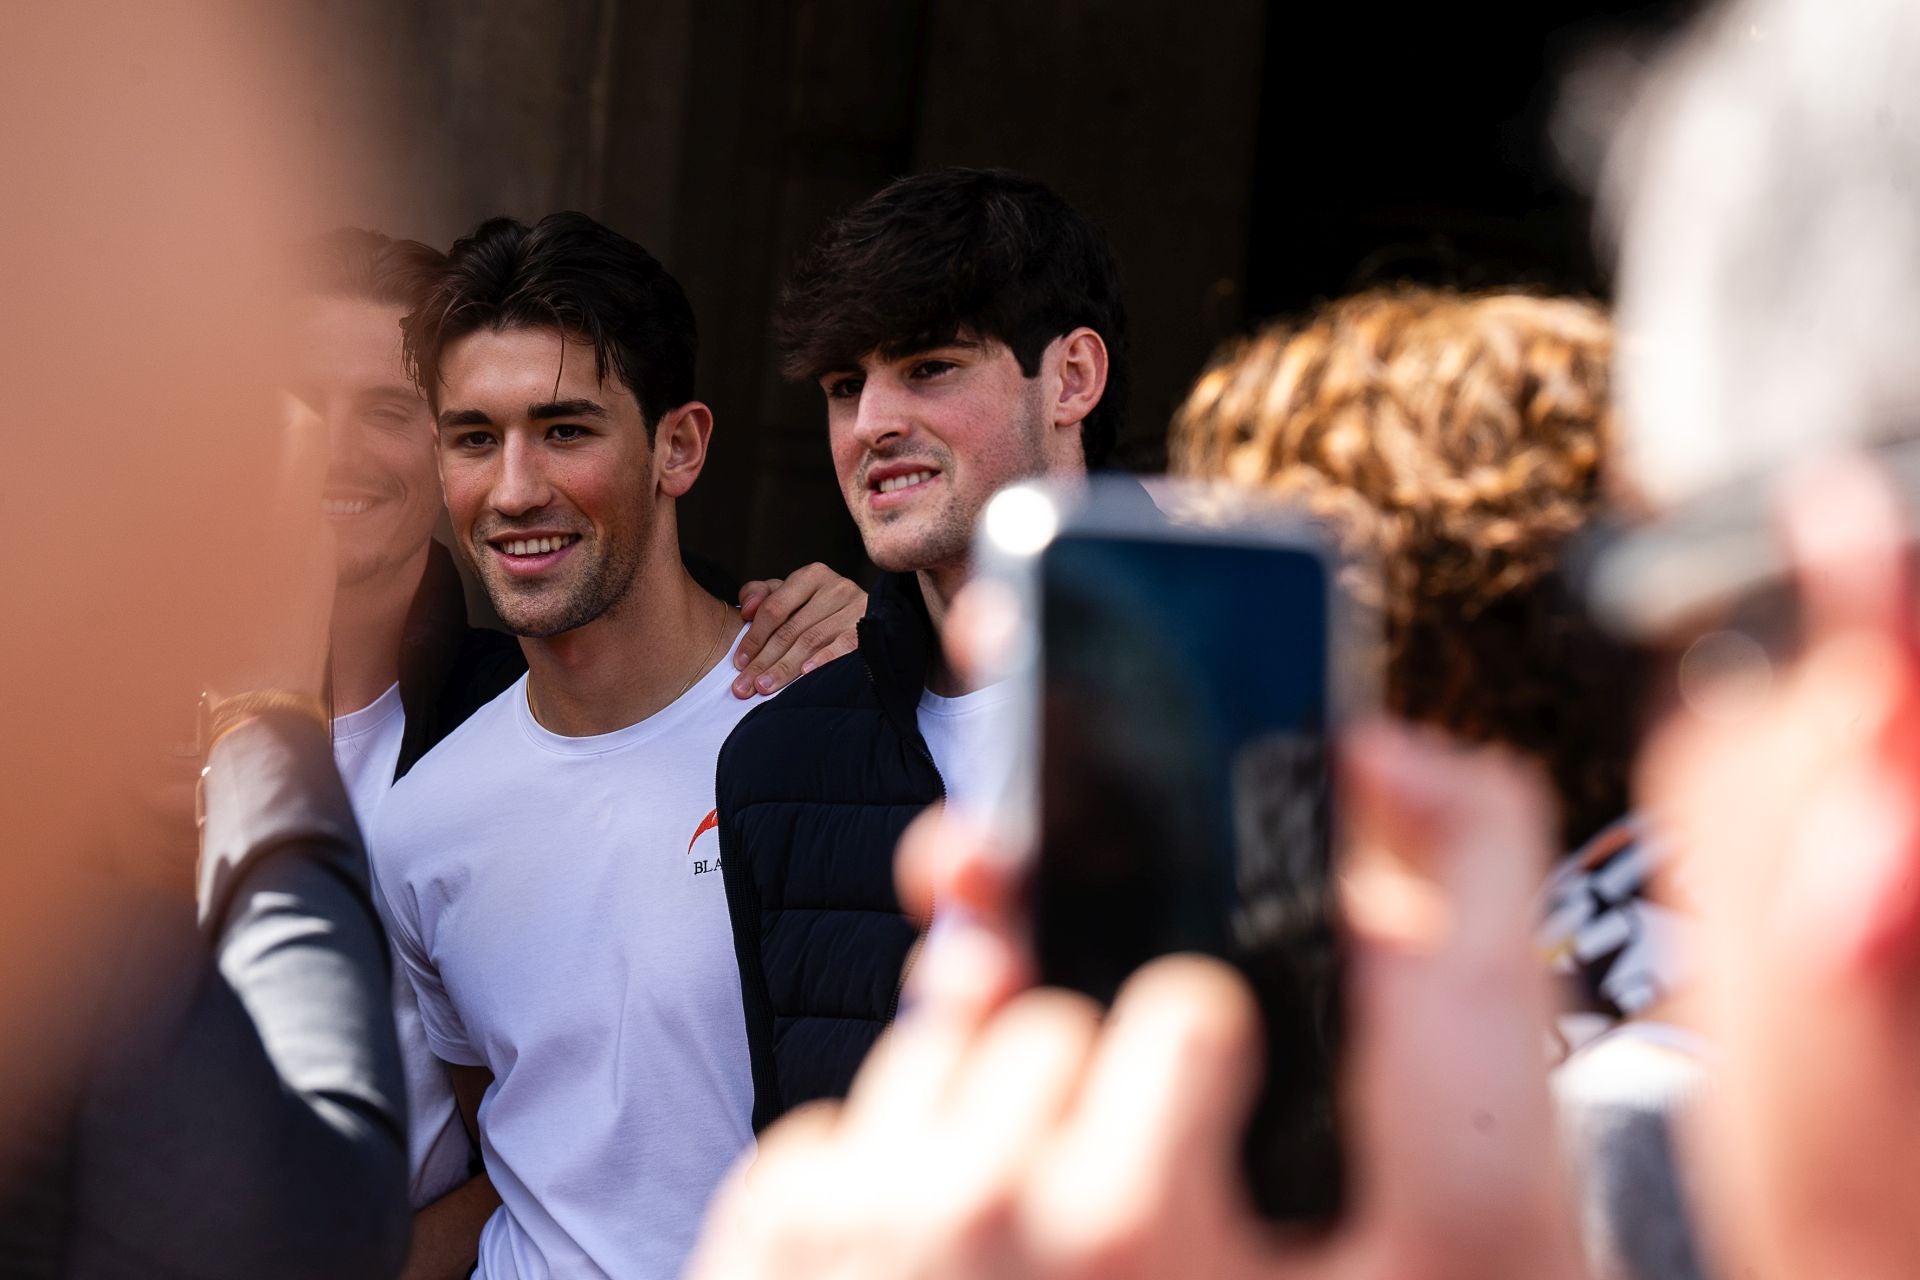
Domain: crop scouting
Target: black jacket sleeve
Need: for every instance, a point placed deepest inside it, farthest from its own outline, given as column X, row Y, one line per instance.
column 246, row 1116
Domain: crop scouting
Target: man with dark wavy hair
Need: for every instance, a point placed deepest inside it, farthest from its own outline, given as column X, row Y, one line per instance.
column 548, row 868
column 966, row 329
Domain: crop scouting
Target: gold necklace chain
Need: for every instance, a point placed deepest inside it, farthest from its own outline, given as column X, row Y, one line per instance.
column 706, row 663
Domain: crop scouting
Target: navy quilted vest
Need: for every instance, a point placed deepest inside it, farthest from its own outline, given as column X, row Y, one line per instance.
column 814, row 789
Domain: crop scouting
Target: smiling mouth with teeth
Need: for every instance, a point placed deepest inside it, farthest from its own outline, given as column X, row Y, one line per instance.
column 537, row 546
column 346, row 506
column 907, row 481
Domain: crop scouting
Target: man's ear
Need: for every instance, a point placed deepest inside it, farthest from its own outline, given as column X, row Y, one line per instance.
column 680, row 447
column 1082, row 367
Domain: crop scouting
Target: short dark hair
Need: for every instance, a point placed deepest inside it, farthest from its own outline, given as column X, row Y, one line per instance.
column 570, row 273
column 352, row 262
column 930, row 256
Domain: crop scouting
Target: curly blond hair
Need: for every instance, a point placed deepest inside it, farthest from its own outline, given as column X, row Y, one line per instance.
column 1452, row 441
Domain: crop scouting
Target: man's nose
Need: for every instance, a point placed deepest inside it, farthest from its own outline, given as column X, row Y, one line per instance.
column 881, row 418
column 522, row 484
column 345, row 447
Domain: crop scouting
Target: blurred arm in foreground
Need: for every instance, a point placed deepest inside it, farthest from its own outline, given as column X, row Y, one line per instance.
column 246, row 1118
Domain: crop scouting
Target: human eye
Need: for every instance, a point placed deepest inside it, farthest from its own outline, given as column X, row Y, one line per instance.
column 932, row 367
column 842, row 386
column 567, row 432
column 392, row 418
column 471, row 441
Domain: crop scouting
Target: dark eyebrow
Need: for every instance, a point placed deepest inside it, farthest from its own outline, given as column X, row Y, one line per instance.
column 465, row 418
column 893, row 353
column 566, row 409
column 387, row 399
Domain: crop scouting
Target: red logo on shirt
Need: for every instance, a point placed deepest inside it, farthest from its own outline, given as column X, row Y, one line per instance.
column 703, row 865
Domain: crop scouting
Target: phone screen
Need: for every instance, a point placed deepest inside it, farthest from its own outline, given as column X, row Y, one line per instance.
column 1185, row 801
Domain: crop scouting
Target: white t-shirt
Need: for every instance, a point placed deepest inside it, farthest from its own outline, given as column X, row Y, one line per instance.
column 366, row 746
column 968, row 740
column 558, row 903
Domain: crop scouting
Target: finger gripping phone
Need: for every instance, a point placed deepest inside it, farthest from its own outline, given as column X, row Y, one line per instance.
column 1171, row 724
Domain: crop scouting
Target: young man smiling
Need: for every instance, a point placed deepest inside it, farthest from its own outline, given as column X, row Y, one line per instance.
column 549, row 867
column 967, row 330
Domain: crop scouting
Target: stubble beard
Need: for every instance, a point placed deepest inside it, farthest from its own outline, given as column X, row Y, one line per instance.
column 355, row 568
column 598, row 590
column 941, row 537
column 938, row 538
column 361, row 559
column 352, row 571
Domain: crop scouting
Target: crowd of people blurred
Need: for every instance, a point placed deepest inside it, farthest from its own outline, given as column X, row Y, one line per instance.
column 346, row 937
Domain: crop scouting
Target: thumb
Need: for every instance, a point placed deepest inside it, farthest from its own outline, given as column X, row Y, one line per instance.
column 1449, row 1002
column 1442, row 841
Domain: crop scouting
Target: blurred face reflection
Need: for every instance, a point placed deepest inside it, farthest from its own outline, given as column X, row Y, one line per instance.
column 383, row 491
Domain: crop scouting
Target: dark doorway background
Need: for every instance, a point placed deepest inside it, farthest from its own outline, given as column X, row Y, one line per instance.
column 1411, row 142
column 1246, row 158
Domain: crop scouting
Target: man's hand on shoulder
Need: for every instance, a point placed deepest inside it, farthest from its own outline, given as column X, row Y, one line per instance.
column 796, row 624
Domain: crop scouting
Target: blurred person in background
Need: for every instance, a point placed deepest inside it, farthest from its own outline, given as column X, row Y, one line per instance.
column 1453, row 444
column 220, row 1098
column 404, row 666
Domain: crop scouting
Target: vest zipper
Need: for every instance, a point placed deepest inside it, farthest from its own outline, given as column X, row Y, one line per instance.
column 920, row 745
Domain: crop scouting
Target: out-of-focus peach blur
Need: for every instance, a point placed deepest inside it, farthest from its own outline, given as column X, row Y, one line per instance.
column 157, row 164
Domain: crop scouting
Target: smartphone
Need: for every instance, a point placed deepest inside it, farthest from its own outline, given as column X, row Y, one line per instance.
column 1173, row 704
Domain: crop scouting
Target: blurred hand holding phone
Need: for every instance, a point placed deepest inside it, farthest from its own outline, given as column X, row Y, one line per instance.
column 1173, row 696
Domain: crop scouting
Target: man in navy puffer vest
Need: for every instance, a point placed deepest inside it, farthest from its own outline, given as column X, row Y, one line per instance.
column 967, row 330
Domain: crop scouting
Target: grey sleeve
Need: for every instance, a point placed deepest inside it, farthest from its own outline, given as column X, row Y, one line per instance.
column 248, row 1119
column 1618, row 1104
